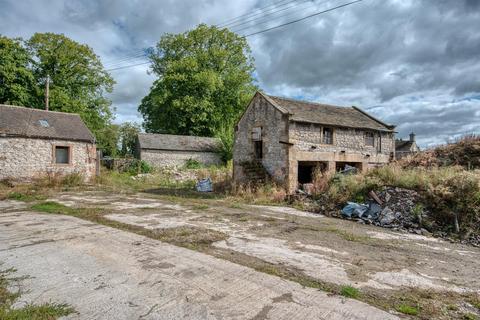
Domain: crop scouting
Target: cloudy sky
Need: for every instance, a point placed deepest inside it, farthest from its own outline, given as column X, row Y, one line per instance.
column 414, row 63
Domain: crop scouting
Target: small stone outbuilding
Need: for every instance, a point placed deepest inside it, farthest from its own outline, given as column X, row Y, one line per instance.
column 290, row 139
column 168, row 150
column 405, row 148
column 35, row 143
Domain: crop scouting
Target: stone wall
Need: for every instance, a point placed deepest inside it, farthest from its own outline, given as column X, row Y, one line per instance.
column 25, row 159
column 274, row 129
column 348, row 146
column 305, row 136
column 168, row 158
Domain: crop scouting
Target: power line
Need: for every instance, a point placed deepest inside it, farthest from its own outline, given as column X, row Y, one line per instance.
column 263, row 13
column 128, row 66
column 130, row 60
column 264, row 30
column 280, row 16
column 226, row 22
column 301, row 19
column 240, row 23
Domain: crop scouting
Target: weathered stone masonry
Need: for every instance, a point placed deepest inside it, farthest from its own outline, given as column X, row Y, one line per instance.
column 27, row 158
column 170, row 158
column 274, row 129
column 292, row 135
column 167, row 150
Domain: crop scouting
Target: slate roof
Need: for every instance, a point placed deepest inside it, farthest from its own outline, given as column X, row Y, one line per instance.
column 36, row 123
column 403, row 145
column 155, row 141
column 350, row 117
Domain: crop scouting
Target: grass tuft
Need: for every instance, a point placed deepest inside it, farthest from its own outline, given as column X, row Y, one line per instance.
column 350, row 292
column 47, row 311
column 407, row 309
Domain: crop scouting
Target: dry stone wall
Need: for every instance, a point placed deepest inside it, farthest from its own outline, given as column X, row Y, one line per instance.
column 167, row 158
column 25, row 159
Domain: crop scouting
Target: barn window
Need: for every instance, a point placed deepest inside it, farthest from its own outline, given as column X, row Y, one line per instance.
column 62, row 155
column 327, row 136
column 369, row 139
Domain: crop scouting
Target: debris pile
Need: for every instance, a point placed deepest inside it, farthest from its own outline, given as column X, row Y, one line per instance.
column 396, row 208
column 465, row 152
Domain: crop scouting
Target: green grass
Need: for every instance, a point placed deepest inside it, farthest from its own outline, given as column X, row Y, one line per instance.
column 52, row 207
column 407, row 309
column 25, row 197
column 46, row 311
column 470, row 316
column 350, row 292
column 346, row 235
column 475, row 302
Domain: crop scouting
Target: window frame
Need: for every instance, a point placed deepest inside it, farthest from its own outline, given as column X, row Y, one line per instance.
column 332, row 133
column 54, row 154
column 372, row 138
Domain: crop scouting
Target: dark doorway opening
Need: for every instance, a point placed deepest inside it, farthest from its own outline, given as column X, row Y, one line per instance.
column 258, row 149
column 307, row 169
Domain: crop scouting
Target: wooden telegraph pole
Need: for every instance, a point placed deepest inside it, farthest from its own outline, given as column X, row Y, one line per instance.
column 47, row 85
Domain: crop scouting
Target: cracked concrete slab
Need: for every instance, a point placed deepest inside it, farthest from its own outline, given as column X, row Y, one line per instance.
column 111, row 274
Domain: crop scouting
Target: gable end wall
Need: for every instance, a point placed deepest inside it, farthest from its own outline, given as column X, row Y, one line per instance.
column 260, row 113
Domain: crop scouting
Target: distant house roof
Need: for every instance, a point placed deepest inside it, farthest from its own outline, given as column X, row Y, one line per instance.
column 403, row 145
column 154, row 141
column 351, row 117
column 36, row 123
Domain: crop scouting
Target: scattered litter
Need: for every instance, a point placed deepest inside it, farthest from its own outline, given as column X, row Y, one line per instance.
column 349, row 170
column 204, row 185
column 394, row 208
column 354, row 210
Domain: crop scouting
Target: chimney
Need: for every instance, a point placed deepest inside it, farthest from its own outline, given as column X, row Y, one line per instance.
column 412, row 137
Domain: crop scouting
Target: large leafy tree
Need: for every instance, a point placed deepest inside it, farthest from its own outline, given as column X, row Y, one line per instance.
column 128, row 132
column 17, row 83
column 78, row 80
column 205, row 78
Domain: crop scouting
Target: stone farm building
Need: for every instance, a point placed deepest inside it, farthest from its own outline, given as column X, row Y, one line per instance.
column 167, row 150
column 35, row 143
column 287, row 139
column 404, row 148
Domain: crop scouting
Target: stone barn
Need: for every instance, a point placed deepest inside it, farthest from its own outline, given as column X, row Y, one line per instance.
column 405, row 148
column 289, row 139
column 167, row 150
column 35, row 143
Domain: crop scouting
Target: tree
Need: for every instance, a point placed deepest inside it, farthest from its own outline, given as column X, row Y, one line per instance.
column 17, row 83
column 78, row 81
column 128, row 132
column 205, row 79
column 107, row 140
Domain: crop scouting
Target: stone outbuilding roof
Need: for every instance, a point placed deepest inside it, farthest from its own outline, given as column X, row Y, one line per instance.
column 350, row 117
column 155, row 141
column 403, row 145
column 35, row 123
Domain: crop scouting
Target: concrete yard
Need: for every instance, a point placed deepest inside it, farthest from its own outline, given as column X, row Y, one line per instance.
column 108, row 273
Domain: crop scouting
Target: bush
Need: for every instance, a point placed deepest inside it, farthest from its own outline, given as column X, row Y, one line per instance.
column 192, row 164
column 138, row 166
column 226, row 138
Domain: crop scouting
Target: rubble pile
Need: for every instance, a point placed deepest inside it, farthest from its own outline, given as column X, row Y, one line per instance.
column 395, row 208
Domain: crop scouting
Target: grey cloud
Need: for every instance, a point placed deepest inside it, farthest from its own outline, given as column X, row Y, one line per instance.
column 410, row 62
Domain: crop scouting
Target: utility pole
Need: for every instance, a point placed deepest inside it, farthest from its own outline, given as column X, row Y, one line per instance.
column 47, row 85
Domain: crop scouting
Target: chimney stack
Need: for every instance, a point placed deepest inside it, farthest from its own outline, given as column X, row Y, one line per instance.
column 412, row 137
